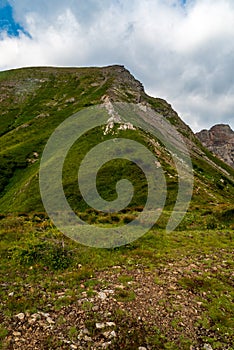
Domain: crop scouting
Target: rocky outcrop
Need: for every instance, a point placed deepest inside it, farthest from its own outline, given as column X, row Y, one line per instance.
column 124, row 86
column 220, row 141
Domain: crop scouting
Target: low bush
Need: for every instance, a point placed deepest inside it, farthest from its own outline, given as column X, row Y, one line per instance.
column 46, row 253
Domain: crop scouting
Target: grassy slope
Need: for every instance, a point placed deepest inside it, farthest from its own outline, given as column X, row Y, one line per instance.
column 179, row 285
column 36, row 100
column 185, row 276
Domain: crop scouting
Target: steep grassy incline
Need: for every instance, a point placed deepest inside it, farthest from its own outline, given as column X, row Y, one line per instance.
column 34, row 101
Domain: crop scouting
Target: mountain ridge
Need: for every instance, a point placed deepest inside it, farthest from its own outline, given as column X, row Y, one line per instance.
column 34, row 101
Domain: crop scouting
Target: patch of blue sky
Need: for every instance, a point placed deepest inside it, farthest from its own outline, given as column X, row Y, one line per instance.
column 7, row 23
column 183, row 3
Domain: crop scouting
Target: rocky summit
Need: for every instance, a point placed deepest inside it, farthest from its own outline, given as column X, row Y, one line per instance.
column 220, row 141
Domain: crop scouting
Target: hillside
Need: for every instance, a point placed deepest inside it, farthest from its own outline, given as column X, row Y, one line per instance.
column 168, row 289
column 220, row 141
column 34, row 101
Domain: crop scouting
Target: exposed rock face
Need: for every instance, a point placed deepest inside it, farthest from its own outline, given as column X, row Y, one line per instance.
column 124, row 86
column 219, row 140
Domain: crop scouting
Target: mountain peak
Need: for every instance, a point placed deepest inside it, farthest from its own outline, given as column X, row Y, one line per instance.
column 221, row 128
column 219, row 140
column 123, row 80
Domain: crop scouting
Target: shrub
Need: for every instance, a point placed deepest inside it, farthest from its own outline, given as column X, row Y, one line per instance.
column 128, row 218
column 44, row 252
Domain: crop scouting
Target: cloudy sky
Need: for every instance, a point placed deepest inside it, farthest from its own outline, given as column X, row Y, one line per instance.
column 182, row 51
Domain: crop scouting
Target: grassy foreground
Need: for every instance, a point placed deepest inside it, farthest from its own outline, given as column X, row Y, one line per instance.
column 163, row 291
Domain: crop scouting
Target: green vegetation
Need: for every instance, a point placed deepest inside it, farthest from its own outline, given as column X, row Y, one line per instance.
column 39, row 264
column 36, row 100
column 163, row 291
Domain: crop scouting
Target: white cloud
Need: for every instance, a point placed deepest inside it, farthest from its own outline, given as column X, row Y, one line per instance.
column 206, row 22
column 182, row 53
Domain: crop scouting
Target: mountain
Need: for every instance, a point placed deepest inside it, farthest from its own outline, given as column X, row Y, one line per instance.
column 220, row 141
column 160, row 291
column 35, row 101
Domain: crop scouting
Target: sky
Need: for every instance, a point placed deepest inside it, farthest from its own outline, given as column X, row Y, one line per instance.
column 181, row 50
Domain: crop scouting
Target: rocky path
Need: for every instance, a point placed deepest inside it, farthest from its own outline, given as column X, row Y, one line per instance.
column 121, row 308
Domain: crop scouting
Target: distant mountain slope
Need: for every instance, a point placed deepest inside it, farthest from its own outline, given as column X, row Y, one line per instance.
column 34, row 101
column 220, row 141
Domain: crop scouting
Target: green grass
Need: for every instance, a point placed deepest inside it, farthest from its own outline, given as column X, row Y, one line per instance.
column 43, row 98
column 3, row 334
column 36, row 254
column 125, row 295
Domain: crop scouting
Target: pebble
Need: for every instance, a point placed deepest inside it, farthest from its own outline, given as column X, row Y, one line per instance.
column 193, row 266
column 73, row 347
column 60, row 294
column 102, row 295
column 16, row 334
column 109, row 291
column 142, row 348
column 110, row 324
column 44, row 314
column 207, row 347
column 32, row 320
column 109, row 334
column 85, row 331
column 20, row 316
column 42, row 324
column 113, row 334
column 86, row 338
column 119, row 286
column 181, row 324
column 100, row 325
column 49, row 320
